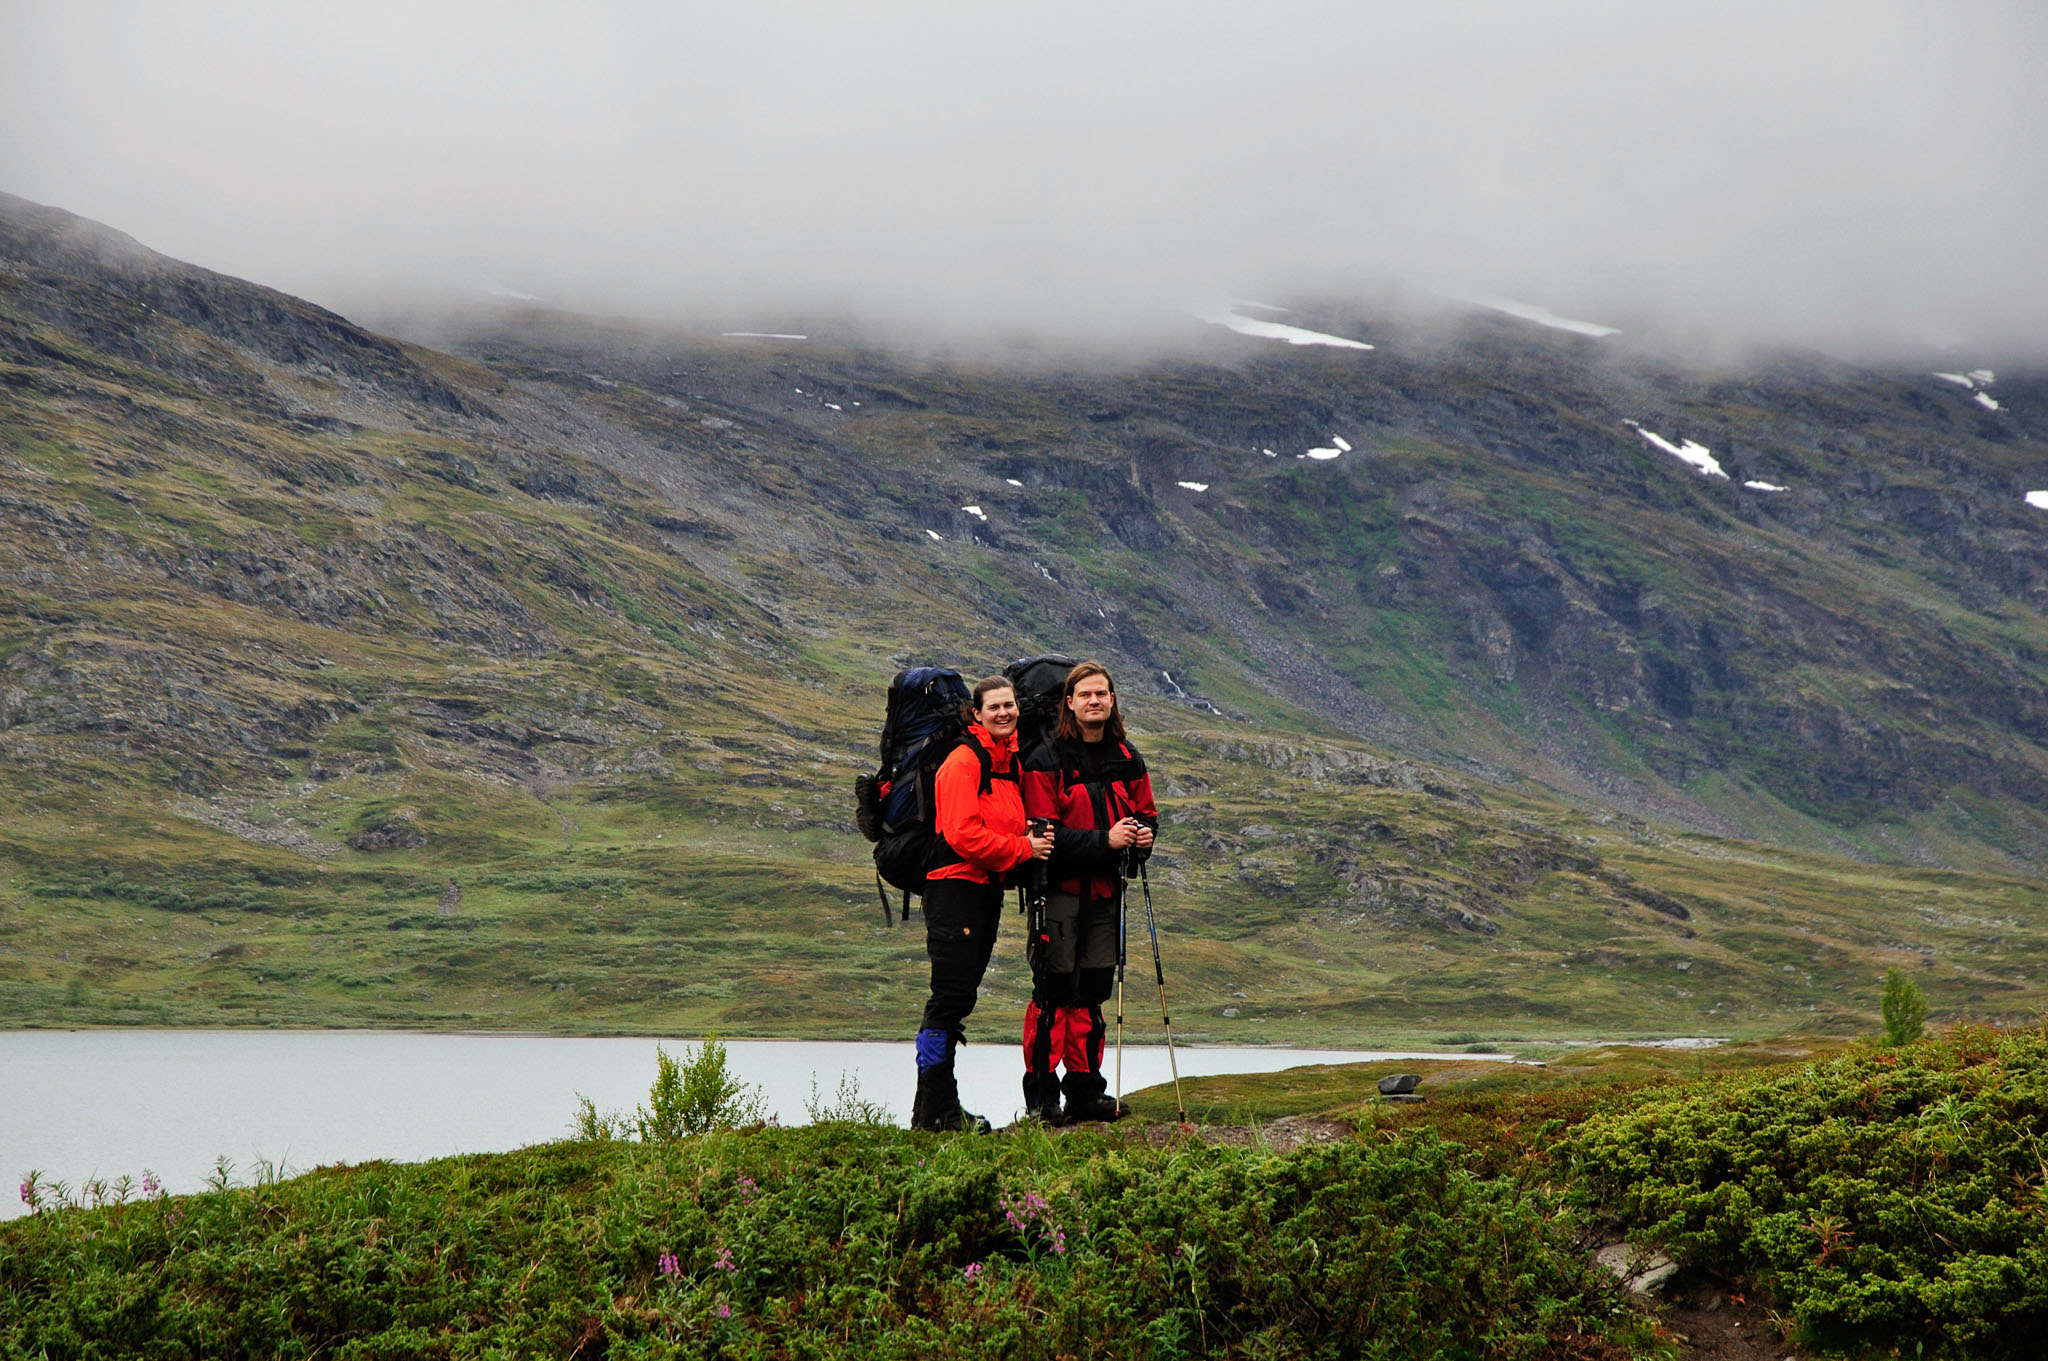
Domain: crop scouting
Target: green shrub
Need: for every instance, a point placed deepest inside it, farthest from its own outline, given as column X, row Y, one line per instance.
column 1883, row 1196
column 847, row 1106
column 1903, row 1007
column 595, row 1126
column 831, row 1241
column 695, row 1096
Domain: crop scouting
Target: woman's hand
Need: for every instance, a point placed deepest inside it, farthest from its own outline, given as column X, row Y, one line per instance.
column 1041, row 844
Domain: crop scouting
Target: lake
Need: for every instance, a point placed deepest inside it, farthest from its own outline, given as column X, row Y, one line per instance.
column 107, row 1103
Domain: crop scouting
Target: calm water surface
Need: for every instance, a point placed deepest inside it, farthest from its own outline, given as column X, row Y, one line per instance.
column 86, row 1103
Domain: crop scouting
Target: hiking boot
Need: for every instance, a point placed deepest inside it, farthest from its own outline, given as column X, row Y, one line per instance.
column 1042, row 1099
column 1088, row 1098
column 936, row 1106
column 963, row 1120
column 1104, row 1108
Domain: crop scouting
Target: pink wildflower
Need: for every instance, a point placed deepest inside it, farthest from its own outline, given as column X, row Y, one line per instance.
column 725, row 1261
column 974, row 1272
column 668, row 1265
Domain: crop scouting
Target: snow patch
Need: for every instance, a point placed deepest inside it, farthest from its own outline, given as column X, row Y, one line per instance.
column 1543, row 316
column 1984, row 375
column 1959, row 378
column 1193, row 486
column 1269, row 453
column 1698, row 455
column 1342, row 443
column 834, row 406
column 2038, row 499
column 1045, row 572
column 1987, row 401
column 1321, row 453
column 936, row 536
column 1013, row 481
column 976, row 512
column 1273, row 330
column 1765, row 486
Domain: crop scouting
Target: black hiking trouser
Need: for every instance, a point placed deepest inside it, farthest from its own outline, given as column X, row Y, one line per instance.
column 1073, row 972
column 960, row 920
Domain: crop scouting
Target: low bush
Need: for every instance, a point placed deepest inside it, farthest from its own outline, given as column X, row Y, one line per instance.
column 838, row 1240
column 695, row 1095
column 1903, row 1007
column 1890, row 1197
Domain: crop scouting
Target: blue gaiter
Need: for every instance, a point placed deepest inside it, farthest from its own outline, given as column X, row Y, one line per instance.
column 932, row 1049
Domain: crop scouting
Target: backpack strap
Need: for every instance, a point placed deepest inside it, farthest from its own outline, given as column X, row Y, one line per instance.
column 988, row 767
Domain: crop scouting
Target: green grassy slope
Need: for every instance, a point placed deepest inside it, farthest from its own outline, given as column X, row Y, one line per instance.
column 344, row 682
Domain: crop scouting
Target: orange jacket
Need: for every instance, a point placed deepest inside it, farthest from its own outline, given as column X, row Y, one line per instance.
column 987, row 831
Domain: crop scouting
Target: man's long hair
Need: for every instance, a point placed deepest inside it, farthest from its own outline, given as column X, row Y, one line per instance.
column 1069, row 727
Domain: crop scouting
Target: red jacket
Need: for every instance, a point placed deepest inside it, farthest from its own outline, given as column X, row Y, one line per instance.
column 1085, row 788
column 985, row 829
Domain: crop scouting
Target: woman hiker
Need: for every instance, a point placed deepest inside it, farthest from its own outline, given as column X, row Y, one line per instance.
column 980, row 818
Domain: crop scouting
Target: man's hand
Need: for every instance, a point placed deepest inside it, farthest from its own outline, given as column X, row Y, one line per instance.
column 1130, row 832
column 1041, row 843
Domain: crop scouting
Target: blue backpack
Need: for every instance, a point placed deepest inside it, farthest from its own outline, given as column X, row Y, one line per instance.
column 896, row 807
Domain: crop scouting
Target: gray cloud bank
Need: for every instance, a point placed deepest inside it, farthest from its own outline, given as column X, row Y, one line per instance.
column 1857, row 174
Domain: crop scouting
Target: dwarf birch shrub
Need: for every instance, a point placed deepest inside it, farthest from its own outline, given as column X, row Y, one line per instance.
column 1904, row 1008
column 1883, row 1196
column 695, row 1095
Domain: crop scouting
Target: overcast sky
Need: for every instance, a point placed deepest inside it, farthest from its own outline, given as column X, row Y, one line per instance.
column 1849, row 172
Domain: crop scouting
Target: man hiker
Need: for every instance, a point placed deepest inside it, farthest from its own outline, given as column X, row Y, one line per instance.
column 980, row 820
column 1090, row 782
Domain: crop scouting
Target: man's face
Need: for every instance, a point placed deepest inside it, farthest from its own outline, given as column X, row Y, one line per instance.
column 1092, row 702
column 998, row 713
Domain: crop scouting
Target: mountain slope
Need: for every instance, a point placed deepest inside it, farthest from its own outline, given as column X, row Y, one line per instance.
column 520, row 680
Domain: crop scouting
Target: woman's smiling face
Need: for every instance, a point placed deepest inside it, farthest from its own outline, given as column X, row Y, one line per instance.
column 998, row 713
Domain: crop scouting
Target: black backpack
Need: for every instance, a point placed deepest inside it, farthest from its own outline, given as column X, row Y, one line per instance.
column 1040, row 683
column 895, row 807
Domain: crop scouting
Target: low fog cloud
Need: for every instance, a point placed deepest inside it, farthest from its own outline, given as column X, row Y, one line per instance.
column 1857, row 173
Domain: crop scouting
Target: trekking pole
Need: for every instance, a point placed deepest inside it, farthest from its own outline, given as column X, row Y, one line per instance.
column 1159, row 972
column 1034, row 891
column 1123, row 917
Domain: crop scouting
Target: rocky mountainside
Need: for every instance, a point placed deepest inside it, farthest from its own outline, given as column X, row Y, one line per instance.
column 1499, row 561
column 515, row 673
